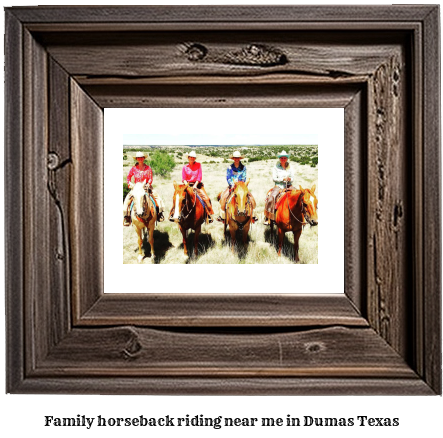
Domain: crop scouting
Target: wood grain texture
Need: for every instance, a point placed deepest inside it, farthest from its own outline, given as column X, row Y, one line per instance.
column 417, row 244
column 432, row 334
column 129, row 351
column 225, row 96
column 226, row 14
column 14, row 242
column 243, row 310
column 86, row 220
column 388, row 203
column 354, row 207
column 160, row 54
column 72, row 62
column 307, row 386
column 59, row 165
column 38, row 309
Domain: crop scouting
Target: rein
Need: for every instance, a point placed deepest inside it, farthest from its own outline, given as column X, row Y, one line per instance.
column 186, row 205
column 142, row 218
column 241, row 224
column 293, row 215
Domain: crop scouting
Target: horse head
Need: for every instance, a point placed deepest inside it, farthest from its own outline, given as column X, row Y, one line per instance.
column 140, row 201
column 241, row 197
column 181, row 190
column 309, row 205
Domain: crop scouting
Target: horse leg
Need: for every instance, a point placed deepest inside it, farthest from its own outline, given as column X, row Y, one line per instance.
column 197, row 233
column 281, row 236
column 233, row 233
column 183, row 231
column 297, row 234
column 151, row 238
column 245, row 233
column 140, row 244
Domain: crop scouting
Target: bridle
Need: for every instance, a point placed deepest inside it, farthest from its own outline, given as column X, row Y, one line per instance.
column 181, row 217
column 142, row 217
column 236, row 213
column 303, row 210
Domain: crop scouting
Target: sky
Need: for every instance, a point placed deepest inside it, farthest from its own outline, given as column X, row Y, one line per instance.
column 219, row 139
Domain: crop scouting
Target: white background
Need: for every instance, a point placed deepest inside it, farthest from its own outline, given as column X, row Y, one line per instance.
column 276, row 126
column 22, row 415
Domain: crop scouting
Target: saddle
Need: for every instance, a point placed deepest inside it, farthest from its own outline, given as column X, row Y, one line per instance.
column 200, row 199
column 227, row 200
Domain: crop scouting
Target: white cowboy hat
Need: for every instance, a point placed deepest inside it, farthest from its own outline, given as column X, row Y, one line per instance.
column 236, row 154
column 192, row 154
column 140, row 155
column 283, row 154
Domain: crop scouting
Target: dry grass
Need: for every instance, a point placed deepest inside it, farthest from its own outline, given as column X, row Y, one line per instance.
column 213, row 246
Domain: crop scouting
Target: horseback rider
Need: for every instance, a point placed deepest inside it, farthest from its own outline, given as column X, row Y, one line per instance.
column 141, row 173
column 192, row 174
column 283, row 177
column 235, row 172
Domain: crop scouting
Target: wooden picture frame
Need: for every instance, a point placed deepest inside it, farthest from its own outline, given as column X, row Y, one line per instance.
column 65, row 64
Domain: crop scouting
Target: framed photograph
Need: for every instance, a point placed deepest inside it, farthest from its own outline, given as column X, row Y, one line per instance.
column 375, row 326
column 225, row 189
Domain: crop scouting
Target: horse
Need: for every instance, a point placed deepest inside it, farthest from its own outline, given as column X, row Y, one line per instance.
column 143, row 215
column 296, row 208
column 188, row 213
column 239, row 212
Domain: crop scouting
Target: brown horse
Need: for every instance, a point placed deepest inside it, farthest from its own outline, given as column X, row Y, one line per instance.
column 239, row 212
column 296, row 209
column 143, row 216
column 188, row 213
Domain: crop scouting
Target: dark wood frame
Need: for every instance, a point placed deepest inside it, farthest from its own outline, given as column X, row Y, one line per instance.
column 64, row 65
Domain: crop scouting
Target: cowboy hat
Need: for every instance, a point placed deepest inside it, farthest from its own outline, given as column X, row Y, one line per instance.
column 192, row 154
column 283, row 154
column 140, row 155
column 236, row 154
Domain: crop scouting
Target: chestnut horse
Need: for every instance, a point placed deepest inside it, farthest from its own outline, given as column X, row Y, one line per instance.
column 296, row 209
column 188, row 213
column 144, row 215
column 239, row 212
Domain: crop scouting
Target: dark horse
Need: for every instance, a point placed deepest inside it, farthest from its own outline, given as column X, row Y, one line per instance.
column 188, row 213
column 296, row 208
column 239, row 212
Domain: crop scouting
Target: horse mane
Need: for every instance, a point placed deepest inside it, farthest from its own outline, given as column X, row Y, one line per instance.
column 290, row 193
column 237, row 184
column 232, row 200
column 241, row 184
column 138, row 185
column 186, row 188
column 190, row 190
column 146, row 195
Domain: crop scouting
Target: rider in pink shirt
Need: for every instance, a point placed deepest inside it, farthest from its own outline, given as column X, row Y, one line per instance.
column 192, row 174
column 141, row 172
column 140, row 175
